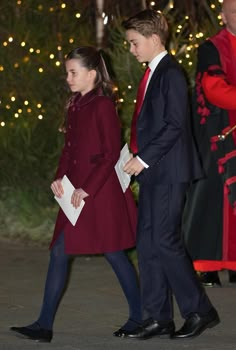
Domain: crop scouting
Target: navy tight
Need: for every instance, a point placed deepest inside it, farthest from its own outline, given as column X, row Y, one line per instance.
column 57, row 277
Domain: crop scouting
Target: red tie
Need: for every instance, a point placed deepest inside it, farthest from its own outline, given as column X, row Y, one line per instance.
column 138, row 105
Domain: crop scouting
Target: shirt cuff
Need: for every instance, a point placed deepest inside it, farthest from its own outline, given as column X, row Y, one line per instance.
column 142, row 162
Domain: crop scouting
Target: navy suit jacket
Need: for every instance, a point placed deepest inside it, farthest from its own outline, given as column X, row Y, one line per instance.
column 164, row 135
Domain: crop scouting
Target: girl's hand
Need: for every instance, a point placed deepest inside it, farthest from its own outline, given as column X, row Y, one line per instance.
column 77, row 197
column 57, row 188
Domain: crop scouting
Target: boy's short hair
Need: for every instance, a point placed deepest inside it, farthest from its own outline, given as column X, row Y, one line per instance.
column 148, row 22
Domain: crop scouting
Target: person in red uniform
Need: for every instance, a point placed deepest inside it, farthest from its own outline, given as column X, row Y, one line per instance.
column 107, row 223
column 209, row 223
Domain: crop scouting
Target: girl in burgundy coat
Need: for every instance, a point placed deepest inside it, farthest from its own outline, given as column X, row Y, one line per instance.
column 107, row 222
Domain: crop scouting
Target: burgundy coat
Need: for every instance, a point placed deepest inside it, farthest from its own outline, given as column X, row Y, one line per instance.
column 92, row 147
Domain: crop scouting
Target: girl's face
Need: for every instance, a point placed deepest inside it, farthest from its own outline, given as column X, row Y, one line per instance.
column 79, row 78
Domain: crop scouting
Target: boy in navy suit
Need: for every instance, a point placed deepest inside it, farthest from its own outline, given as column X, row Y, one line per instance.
column 165, row 162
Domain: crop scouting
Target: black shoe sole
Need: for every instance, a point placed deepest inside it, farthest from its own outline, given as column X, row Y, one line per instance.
column 161, row 336
column 23, row 336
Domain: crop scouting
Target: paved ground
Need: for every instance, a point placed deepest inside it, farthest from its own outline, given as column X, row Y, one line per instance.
column 92, row 308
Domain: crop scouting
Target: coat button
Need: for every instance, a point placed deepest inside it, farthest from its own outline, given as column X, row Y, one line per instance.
column 69, row 126
column 75, row 161
column 69, row 143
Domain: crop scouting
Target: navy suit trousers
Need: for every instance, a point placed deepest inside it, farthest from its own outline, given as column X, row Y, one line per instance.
column 165, row 269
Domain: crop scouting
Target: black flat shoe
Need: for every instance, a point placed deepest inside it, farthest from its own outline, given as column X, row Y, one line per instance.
column 125, row 330
column 195, row 324
column 151, row 328
column 121, row 333
column 209, row 279
column 39, row 334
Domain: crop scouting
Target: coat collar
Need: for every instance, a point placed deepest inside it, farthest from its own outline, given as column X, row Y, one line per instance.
column 163, row 63
column 79, row 100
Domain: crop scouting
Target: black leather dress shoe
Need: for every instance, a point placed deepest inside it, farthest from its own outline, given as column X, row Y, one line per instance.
column 196, row 324
column 151, row 328
column 39, row 334
column 209, row 279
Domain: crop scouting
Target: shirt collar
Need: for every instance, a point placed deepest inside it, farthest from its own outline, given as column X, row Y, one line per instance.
column 156, row 60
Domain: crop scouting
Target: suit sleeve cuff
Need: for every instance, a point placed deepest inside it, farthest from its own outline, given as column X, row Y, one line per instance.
column 142, row 162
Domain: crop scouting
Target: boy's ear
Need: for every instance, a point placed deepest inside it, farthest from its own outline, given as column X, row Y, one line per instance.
column 156, row 39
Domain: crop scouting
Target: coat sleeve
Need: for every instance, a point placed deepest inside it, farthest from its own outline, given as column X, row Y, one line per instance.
column 219, row 92
column 63, row 161
column 108, row 127
column 174, row 112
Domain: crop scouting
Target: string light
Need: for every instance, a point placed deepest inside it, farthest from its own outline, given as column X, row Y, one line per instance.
column 14, row 103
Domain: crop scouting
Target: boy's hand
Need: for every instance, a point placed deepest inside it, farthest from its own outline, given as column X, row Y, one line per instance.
column 133, row 167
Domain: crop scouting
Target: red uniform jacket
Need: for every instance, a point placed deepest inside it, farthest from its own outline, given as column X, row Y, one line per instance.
column 92, row 147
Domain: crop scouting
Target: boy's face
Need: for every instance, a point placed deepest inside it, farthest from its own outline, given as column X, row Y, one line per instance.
column 143, row 48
